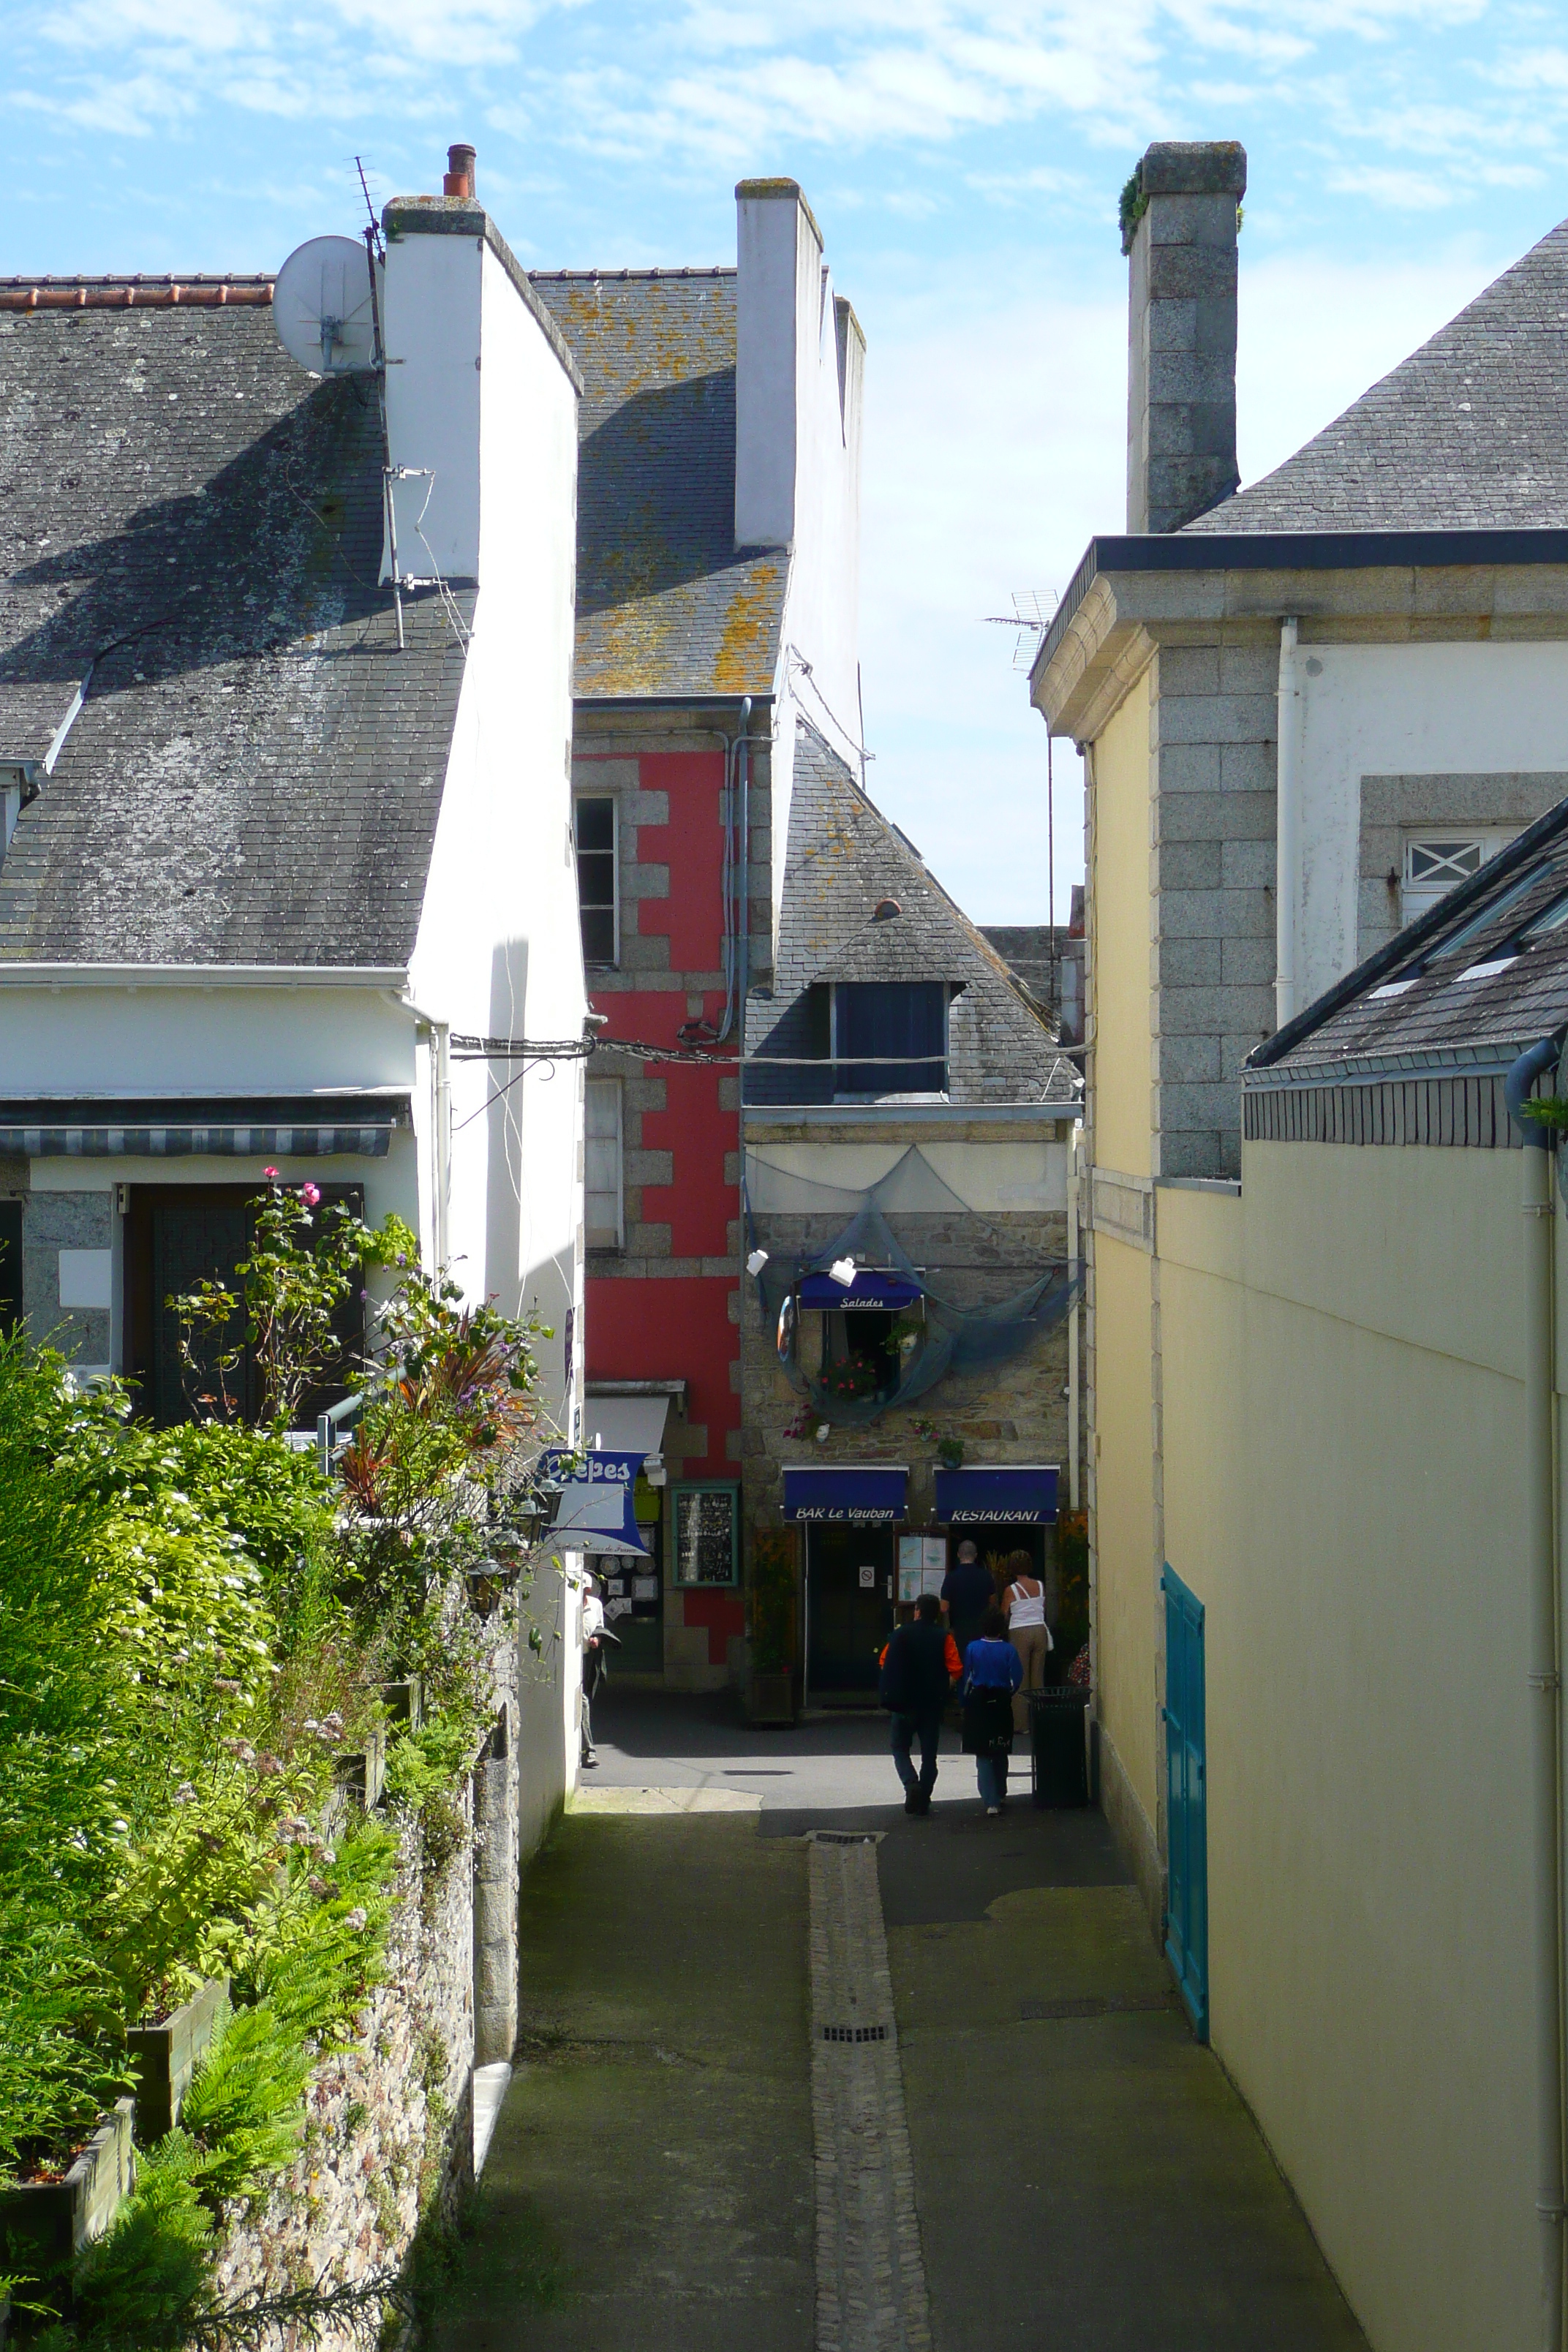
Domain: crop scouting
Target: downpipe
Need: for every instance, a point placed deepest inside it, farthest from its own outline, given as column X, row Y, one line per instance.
column 440, row 1037
column 1544, row 1676
column 1286, row 826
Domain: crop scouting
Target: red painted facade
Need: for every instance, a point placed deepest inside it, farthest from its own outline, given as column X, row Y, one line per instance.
column 668, row 1309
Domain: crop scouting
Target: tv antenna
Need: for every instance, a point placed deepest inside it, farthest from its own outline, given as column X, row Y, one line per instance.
column 1029, row 618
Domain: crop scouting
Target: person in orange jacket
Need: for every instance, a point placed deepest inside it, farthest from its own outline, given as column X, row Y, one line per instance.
column 917, row 1668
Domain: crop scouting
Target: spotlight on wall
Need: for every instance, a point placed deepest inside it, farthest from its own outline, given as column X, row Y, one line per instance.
column 756, row 1262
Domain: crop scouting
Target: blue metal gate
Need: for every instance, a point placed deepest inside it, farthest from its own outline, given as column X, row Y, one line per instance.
column 1186, row 1798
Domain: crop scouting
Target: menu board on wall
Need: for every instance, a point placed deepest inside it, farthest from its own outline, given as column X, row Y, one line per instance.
column 705, row 1535
column 923, row 1564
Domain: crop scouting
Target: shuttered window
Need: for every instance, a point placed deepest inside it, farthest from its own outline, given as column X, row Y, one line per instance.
column 604, row 1211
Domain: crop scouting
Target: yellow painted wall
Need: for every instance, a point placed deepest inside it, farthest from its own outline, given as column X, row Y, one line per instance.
column 1120, row 913
column 1124, row 1564
column 1341, row 1447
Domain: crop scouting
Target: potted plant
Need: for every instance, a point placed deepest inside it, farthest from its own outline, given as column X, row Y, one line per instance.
column 769, row 1594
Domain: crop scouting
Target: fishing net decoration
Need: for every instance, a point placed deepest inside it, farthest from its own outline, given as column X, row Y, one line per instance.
column 956, row 1334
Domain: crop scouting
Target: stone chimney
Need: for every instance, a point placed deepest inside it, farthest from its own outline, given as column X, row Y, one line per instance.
column 778, row 328
column 1179, row 228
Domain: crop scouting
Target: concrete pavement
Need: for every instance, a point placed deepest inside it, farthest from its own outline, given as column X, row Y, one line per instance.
column 1085, row 2178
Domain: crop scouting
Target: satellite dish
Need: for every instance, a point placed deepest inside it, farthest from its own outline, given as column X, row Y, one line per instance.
column 321, row 307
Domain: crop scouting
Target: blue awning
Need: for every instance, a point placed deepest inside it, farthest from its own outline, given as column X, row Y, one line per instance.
column 869, row 1289
column 857, row 1497
column 1021, row 1496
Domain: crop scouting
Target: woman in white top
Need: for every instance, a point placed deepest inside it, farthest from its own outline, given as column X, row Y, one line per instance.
column 1024, row 1604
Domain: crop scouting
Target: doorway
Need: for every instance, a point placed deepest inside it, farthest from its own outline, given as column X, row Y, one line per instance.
column 1186, row 1798
column 850, row 1581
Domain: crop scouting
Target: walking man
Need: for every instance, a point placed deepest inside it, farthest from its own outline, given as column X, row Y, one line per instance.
column 920, row 1665
column 593, row 1663
column 967, row 1593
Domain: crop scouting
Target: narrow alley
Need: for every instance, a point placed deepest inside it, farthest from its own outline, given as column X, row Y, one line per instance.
column 796, row 2067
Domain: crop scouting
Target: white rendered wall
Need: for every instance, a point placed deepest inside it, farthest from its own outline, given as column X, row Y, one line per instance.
column 195, row 1041
column 499, row 952
column 1407, row 709
column 990, row 1177
column 434, row 291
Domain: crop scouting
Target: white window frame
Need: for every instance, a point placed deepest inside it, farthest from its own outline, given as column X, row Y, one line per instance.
column 604, row 1235
column 614, row 800
column 1416, row 895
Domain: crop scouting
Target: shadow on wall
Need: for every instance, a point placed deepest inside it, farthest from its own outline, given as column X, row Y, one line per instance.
column 648, row 518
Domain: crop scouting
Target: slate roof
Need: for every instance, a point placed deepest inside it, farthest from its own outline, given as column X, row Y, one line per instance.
column 256, row 774
column 843, row 857
column 1470, row 433
column 1478, row 977
column 666, row 605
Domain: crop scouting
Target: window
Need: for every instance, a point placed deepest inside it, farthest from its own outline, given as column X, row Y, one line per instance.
column 705, row 1533
column 604, row 1206
column 1436, row 862
column 594, row 826
column 901, row 1027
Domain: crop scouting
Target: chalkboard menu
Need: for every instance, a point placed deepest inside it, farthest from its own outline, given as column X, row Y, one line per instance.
column 705, row 1535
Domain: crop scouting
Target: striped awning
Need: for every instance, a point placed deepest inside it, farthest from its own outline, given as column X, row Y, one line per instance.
column 324, row 1128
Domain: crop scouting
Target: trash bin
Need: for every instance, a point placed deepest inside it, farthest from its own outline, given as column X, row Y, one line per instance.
column 1057, row 1743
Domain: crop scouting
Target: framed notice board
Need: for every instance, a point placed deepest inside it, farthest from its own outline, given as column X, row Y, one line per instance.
column 705, row 1533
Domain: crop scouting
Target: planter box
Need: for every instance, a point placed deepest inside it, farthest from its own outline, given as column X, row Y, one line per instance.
column 45, row 2223
column 165, row 2057
column 770, row 1698
column 361, row 1773
column 405, row 1701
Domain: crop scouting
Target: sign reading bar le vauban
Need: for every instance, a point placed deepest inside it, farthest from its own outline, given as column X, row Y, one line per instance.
column 862, row 1494
column 1021, row 1494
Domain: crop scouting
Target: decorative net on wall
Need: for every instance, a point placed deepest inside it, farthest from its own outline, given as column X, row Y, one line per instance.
column 973, row 1316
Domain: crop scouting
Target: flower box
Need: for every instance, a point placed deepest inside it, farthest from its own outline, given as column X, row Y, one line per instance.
column 43, row 2223
column 165, row 2056
column 360, row 1772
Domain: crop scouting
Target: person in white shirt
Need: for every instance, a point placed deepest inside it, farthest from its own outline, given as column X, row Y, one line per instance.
column 593, row 1662
column 1024, row 1605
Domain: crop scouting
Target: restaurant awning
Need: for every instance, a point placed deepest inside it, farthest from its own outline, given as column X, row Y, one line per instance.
column 869, row 1288
column 866, row 1495
column 1020, row 1495
column 625, row 1424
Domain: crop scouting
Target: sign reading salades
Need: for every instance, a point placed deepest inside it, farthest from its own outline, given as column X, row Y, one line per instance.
column 1022, row 1494
column 594, row 1512
column 862, row 1494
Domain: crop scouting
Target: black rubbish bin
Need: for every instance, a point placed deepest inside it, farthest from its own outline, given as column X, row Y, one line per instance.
column 1057, row 1743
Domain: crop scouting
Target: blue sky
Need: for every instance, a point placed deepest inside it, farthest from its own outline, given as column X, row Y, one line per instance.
column 963, row 157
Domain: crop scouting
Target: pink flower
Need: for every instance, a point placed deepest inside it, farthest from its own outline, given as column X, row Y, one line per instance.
column 271, row 1172
column 309, row 1194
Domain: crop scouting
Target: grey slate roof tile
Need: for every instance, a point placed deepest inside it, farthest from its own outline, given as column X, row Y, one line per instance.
column 256, row 772
column 1469, row 433
column 842, row 857
column 666, row 604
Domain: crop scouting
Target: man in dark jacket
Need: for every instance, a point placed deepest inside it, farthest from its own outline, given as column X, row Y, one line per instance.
column 920, row 1665
column 967, row 1593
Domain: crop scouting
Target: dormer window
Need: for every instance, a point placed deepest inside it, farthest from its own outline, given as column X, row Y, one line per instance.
column 889, row 1037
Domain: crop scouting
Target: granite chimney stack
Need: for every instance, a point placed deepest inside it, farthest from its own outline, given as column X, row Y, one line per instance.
column 1178, row 229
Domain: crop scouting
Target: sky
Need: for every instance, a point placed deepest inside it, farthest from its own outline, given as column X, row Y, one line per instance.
column 963, row 158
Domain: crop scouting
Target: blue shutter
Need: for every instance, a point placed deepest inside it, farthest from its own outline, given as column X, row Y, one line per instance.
column 1186, row 1798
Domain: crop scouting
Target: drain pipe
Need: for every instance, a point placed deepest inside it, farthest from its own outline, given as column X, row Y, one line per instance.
column 1073, row 1247
column 1286, row 826
column 440, row 1038
column 1545, row 1680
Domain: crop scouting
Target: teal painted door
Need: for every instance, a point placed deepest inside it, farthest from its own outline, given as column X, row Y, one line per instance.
column 1186, row 1798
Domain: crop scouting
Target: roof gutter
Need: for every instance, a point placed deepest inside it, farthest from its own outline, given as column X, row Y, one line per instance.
column 200, row 975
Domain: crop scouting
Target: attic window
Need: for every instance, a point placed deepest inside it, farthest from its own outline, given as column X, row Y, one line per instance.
column 1435, row 864
column 889, row 1037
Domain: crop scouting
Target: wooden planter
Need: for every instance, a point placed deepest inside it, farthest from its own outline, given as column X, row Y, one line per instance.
column 165, row 2057
column 405, row 1701
column 770, row 1698
column 361, row 1773
column 44, row 2224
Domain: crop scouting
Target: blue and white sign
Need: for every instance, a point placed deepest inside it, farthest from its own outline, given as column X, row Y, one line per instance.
column 869, row 1288
column 594, row 1512
column 863, row 1495
column 1023, row 1495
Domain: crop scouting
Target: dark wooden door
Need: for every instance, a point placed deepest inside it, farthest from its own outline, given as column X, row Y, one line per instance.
column 851, row 1573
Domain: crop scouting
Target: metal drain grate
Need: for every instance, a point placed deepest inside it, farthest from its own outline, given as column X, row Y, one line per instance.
column 854, row 2033
column 846, row 1837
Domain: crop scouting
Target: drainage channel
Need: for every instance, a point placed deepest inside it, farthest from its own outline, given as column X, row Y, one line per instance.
column 870, row 2275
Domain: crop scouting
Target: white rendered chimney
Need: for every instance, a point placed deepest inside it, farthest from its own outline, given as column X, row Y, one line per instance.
column 777, row 340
